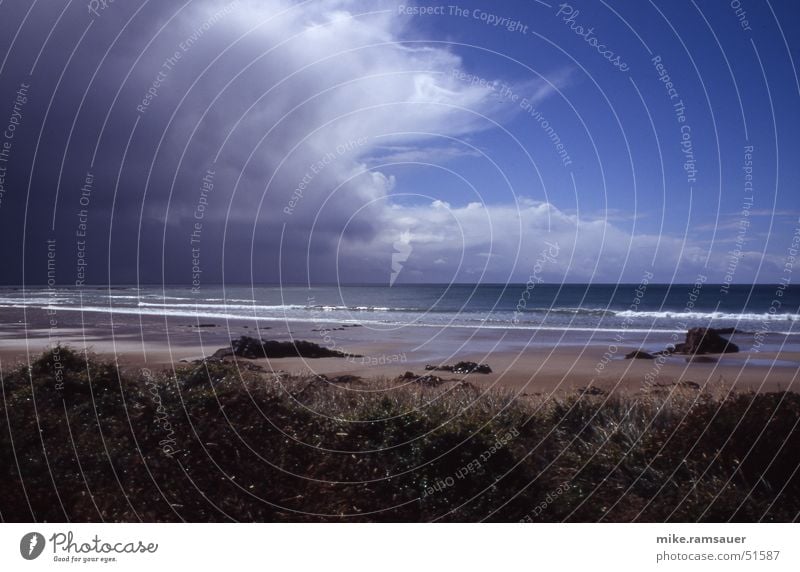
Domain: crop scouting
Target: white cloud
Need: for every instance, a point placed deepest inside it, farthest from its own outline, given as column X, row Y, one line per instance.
column 503, row 241
column 324, row 76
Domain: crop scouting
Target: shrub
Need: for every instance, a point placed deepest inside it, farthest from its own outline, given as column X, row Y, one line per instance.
column 84, row 440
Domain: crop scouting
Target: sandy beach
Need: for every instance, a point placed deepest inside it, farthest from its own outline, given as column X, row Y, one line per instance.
column 523, row 362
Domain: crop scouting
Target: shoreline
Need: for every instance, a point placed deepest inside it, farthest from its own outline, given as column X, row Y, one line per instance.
column 524, row 363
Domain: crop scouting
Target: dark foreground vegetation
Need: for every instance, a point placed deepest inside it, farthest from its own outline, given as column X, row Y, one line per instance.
column 82, row 441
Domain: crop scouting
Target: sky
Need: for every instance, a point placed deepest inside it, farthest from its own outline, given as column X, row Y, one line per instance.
column 338, row 141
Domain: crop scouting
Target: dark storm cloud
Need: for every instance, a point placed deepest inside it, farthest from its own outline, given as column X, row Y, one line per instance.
column 240, row 139
column 147, row 98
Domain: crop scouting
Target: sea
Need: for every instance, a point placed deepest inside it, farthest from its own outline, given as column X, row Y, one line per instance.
column 647, row 308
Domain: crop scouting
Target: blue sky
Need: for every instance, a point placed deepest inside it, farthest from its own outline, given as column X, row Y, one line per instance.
column 621, row 129
column 408, row 132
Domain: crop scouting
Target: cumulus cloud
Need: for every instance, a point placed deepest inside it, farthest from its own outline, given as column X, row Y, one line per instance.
column 319, row 99
column 300, row 109
column 320, row 96
column 502, row 242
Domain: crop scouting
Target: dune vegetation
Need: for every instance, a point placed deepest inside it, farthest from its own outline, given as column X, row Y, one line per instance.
column 84, row 440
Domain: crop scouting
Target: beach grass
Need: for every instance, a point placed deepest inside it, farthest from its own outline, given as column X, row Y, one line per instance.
column 82, row 439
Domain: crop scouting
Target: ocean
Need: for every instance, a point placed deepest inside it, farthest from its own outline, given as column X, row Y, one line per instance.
column 650, row 308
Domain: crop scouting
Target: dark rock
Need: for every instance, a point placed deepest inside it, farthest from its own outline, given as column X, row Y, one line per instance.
column 705, row 341
column 245, row 347
column 428, row 380
column 689, row 384
column 462, row 367
column 639, row 354
column 408, row 375
column 471, row 367
column 591, row 390
column 252, row 348
column 203, row 325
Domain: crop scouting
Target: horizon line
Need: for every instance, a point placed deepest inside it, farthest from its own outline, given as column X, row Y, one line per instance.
column 72, row 286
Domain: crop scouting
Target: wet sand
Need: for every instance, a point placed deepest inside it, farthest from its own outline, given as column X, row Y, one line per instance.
column 522, row 361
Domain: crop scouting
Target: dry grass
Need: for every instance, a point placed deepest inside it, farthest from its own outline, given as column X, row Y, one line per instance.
column 221, row 442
